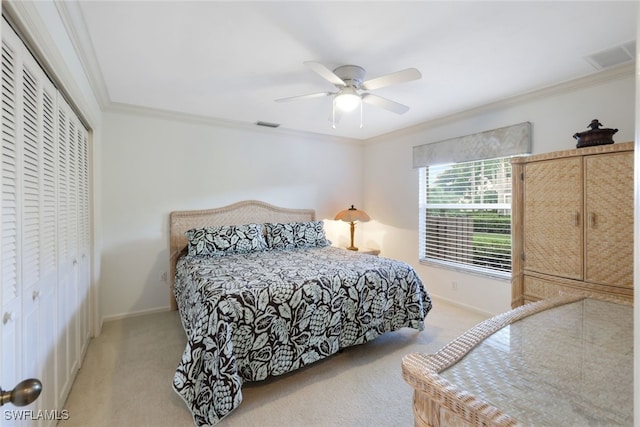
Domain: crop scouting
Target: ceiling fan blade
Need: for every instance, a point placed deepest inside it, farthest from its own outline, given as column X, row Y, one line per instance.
column 390, row 79
column 385, row 103
column 325, row 73
column 308, row 96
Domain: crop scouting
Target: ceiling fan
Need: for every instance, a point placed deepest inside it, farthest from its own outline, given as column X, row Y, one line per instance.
column 349, row 80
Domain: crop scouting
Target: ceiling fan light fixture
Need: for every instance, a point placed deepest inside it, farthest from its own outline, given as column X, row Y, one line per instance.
column 349, row 80
column 347, row 101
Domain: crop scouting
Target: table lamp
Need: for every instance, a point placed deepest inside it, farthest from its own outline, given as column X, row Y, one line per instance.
column 352, row 215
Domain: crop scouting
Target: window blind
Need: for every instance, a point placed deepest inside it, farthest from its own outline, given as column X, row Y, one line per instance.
column 466, row 215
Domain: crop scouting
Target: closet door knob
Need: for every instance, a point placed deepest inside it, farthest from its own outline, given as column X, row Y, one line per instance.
column 36, row 295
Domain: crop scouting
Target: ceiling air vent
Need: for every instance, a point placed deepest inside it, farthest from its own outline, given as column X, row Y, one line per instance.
column 614, row 56
column 268, row 125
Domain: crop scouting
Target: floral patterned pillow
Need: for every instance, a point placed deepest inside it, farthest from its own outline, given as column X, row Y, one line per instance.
column 226, row 240
column 296, row 235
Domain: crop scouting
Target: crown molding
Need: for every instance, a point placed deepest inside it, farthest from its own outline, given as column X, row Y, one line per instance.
column 128, row 109
column 612, row 74
column 75, row 25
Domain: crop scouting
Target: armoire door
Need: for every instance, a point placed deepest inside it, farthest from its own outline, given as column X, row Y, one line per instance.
column 553, row 218
column 609, row 219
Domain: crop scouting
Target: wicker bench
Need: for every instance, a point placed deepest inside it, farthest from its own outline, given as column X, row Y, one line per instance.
column 561, row 361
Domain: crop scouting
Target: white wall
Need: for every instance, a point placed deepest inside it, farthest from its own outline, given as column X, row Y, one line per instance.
column 152, row 165
column 391, row 185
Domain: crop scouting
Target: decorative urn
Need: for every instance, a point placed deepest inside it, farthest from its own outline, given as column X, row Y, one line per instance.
column 595, row 136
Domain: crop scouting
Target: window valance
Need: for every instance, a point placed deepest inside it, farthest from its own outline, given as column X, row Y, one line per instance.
column 503, row 142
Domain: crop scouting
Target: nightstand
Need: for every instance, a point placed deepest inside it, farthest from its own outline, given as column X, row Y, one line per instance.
column 369, row 251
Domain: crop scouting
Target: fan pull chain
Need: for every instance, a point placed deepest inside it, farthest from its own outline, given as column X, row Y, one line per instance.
column 333, row 113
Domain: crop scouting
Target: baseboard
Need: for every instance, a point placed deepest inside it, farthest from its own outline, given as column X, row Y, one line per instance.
column 461, row 305
column 134, row 314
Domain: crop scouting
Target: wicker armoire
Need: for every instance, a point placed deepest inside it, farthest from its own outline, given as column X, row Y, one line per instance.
column 573, row 223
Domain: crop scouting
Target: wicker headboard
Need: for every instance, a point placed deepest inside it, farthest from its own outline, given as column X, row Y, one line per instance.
column 250, row 211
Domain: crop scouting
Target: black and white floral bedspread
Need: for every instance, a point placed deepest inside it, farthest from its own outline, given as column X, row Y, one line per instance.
column 250, row 316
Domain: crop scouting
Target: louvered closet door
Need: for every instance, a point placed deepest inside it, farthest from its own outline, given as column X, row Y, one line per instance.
column 11, row 295
column 553, row 217
column 84, row 238
column 44, row 231
column 72, row 286
column 65, row 259
column 48, row 250
column 38, row 231
column 29, row 229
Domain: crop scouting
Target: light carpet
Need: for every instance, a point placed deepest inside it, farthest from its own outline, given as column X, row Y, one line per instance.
column 125, row 379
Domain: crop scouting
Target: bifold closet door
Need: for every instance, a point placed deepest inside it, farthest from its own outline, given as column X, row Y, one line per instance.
column 84, row 239
column 37, row 215
column 11, row 295
column 44, row 232
column 28, row 233
column 69, row 131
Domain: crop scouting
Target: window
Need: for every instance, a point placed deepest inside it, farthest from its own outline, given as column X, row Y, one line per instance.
column 465, row 215
column 465, row 199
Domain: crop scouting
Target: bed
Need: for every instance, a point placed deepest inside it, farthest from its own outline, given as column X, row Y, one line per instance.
column 261, row 292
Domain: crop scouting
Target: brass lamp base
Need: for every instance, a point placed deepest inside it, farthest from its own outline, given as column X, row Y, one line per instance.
column 351, row 247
